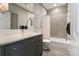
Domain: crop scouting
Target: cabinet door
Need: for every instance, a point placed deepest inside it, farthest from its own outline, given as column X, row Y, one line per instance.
column 28, row 47
column 38, row 45
column 10, row 49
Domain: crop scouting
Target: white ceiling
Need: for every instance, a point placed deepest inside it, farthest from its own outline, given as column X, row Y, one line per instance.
column 46, row 5
column 52, row 5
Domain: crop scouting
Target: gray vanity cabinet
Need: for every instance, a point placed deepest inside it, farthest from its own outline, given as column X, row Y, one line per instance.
column 21, row 48
column 27, row 47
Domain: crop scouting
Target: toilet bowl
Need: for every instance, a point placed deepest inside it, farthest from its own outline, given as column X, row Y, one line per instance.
column 46, row 43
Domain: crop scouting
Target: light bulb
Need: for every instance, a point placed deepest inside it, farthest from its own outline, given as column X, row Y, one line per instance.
column 3, row 7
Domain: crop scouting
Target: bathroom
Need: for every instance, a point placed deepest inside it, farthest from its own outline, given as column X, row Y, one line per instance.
column 47, row 19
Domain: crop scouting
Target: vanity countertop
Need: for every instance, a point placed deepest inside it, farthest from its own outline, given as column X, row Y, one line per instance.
column 14, row 38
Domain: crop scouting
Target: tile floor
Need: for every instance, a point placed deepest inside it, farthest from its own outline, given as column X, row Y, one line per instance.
column 56, row 49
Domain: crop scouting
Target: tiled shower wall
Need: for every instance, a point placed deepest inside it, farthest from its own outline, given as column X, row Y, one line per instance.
column 39, row 13
column 58, row 21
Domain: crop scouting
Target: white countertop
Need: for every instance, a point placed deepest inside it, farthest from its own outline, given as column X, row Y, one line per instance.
column 14, row 38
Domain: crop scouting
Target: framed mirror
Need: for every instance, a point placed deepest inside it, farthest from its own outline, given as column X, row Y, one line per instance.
column 15, row 17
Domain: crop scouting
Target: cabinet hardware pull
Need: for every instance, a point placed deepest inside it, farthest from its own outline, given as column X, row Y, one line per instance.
column 14, row 48
column 32, row 40
column 14, row 51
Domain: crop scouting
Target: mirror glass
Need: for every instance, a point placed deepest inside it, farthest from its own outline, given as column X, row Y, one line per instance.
column 15, row 17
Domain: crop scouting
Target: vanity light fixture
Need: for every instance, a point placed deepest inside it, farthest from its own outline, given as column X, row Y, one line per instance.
column 3, row 7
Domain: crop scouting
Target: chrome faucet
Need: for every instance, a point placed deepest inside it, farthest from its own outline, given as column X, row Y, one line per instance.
column 22, row 27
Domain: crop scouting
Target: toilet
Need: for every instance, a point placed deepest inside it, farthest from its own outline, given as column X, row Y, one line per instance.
column 46, row 44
